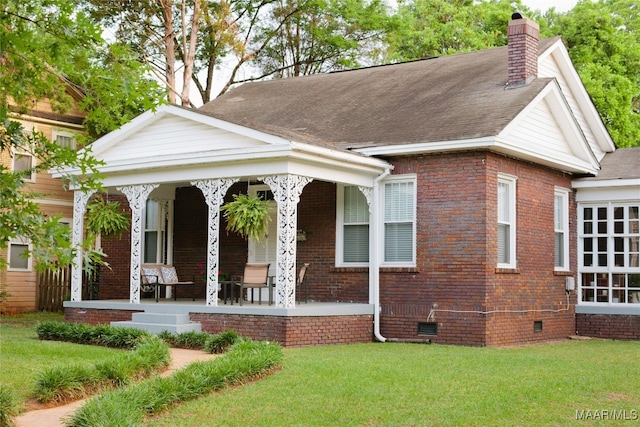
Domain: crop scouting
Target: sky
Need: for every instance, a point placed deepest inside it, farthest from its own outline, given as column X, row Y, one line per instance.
column 543, row 5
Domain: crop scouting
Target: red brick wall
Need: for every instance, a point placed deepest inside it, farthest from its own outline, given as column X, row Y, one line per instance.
column 114, row 281
column 295, row 331
column 455, row 281
column 93, row 316
column 610, row 326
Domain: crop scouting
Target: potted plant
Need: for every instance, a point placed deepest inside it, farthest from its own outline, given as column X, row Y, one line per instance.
column 247, row 216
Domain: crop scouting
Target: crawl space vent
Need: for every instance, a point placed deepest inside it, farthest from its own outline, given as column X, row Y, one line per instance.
column 427, row 328
column 537, row 326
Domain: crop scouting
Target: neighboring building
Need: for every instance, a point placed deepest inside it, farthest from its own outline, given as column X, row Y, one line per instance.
column 434, row 199
column 20, row 279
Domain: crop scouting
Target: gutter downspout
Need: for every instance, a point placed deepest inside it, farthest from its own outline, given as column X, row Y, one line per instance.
column 374, row 254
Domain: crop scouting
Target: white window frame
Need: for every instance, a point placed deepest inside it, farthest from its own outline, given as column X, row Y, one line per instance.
column 612, row 283
column 20, row 242
column 57, row 133
column 510, row 181
column 161, row 234
column 18, row 152
column 561, row 226
column 391, row 180
column 340, row 224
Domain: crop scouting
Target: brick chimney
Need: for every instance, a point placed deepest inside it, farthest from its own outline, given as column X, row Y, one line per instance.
column 524, row 36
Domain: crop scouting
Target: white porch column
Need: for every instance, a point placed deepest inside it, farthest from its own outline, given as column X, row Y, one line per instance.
column 286, row 191
column 373, row 245
column 80, row 200
column 137, row 197
column 214, row 191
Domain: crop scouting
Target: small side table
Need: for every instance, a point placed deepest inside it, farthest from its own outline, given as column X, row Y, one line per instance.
column 230, row 285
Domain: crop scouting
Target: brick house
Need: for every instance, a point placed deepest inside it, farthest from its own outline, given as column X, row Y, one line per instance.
column 434, row 200
column 19, row 280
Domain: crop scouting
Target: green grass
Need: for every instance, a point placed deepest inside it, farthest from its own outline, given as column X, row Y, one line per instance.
column 23, row 356
column 416, row 385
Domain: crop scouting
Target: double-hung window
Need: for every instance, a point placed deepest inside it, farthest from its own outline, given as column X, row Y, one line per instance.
column 506, row 221
column 64, row 139
column 18, row 255
column 561, row 228
column 353, row 214
column 399, row 220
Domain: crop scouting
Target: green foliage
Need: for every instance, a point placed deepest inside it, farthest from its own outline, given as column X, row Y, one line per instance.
column 188, row 340
column 247, row 216
column 50, row 50
column 604, row 45
column 8, row 406
column 70, row 382
column 106, row 218
column 81, row 333
column 245, row 360
column 219, row 343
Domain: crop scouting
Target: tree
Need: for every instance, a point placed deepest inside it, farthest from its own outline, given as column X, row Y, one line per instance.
column 44, row 45
column 604, row 45
column 254, row 39
column 428, row 28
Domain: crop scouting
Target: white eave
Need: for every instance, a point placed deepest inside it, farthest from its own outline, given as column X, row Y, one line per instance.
column 564, row 148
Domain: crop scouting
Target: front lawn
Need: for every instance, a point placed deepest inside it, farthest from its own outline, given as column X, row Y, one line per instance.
column 570, row 383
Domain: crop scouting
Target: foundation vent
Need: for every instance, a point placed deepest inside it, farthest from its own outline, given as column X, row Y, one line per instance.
column 537, row 326
column 427, row 328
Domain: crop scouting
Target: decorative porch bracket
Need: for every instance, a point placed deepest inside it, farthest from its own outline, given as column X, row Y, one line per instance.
column 286, row 191
column 137, row 197
column 213, row 191
column 80, row 200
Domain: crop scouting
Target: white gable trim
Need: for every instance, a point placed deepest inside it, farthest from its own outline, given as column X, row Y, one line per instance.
column 149, row 117
column 558, row 53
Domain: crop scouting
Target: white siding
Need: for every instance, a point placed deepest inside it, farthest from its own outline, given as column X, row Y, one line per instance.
column 549, row 68
column 176, row 135
column 540, row 131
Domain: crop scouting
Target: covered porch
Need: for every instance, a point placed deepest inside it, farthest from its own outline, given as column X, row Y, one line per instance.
column 189, row 164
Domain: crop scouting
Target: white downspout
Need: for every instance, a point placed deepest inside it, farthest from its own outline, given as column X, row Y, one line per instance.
column 374, row 254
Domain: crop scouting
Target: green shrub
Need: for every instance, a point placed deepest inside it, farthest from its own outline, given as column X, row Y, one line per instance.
column 80, row 333
column 8, row 406
column 220, row 342
column 190, row 340
column 66, row 383
column 128, row 406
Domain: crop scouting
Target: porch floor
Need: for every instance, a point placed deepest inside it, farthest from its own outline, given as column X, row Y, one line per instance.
column 185, row 306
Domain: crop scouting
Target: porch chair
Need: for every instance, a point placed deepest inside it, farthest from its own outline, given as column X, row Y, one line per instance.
column 300, row 283
column 256, row 276
column 156, row 275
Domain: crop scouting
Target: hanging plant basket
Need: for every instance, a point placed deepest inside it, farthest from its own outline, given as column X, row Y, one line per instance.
column 247, row 215
column 106, row 218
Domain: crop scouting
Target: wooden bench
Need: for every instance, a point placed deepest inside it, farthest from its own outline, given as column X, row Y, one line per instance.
column 156, row 275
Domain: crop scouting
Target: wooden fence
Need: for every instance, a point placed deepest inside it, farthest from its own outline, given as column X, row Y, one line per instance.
column 54, row 287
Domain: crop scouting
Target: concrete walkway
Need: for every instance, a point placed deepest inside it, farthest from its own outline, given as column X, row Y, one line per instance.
column 52, row 417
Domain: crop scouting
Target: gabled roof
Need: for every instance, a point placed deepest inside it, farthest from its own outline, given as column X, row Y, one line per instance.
column 452, row 102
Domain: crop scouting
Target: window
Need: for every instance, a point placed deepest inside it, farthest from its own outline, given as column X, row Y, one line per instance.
column 561, row 228
column 353, row 213
column 65, row 139
column 18, row 258
column 23, row 162
column 609, row 253
column 399, row 220
column 153, row 235
column 506, row 221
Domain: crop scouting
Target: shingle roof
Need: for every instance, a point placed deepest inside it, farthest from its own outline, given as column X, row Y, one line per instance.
column 441, row 99
column 624, row 163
